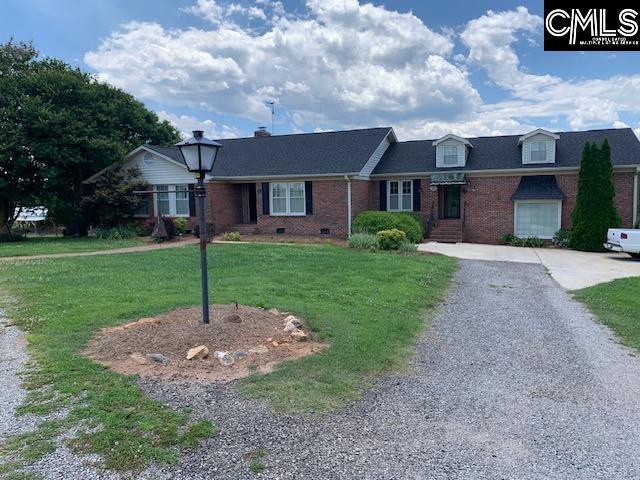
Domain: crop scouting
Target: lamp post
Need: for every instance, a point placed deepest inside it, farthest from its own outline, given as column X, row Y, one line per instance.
column 199, row 154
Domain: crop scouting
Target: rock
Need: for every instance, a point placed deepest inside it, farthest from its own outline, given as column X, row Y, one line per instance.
column 300, row 336
column 158, row 358
column 224, row 358
column 292, row 320
column 274, row 343
column 260, row 349
column 273, row 311
column 291, row 327
column 239, row 355
column 201, row 351
column 138, row 358
column 232, row 318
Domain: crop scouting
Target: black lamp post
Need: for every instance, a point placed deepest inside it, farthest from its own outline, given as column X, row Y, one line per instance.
column 199, row 154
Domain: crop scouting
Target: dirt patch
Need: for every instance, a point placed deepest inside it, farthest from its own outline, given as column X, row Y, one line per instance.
column 290, row 239
column 257, row 343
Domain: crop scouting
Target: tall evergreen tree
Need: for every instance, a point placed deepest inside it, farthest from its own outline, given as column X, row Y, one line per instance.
column 595, row 210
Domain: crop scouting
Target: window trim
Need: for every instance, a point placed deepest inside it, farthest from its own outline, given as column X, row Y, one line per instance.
column 400, row 194
column 288, row 212
column 515, row 216
column 172, row 200
column 546, row 151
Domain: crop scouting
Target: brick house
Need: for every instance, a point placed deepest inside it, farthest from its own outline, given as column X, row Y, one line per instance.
column 464, row 189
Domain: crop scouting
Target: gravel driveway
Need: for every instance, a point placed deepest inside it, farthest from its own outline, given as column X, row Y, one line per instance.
column 514, row 380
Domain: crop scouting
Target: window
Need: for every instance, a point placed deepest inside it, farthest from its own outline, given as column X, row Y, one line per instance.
column 450, row 155
column 143, row 207
column 288, row 198
column 172, row 200
column 538, row 152
column 400, row 195
column 537, row 218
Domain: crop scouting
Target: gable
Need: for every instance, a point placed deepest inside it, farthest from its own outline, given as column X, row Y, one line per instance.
column 157, row 170
column 539, row 138
column 445, row 145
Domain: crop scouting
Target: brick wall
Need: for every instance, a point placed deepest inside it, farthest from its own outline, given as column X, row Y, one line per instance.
column 223, row 205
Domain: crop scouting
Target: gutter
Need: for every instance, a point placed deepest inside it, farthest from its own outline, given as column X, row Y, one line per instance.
column 635, row 197
column 348, row 180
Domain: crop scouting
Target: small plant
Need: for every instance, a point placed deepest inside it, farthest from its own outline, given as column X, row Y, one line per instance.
column 391, row 239
column 256, row 466
column 562, row 238
column 116, row 233
column 364, row 241
column 407, row 248
column 514, row 241
column 181, row 225
column 230, row 236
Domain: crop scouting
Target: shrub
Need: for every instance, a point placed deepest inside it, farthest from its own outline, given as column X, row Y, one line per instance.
column 170, row 226
column 230, row 236
column 374, row 222
column 562, row 238
column 391, row 239
column 363, row 241
column 407, row 248
column 16, row 236
column 148, row 225
column 181, row 225
column 514, row 241
column 116, row 233
column 210, row 231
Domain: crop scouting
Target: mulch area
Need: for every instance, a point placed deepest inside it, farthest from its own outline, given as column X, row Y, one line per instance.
column 259, row 342
column 291, row 239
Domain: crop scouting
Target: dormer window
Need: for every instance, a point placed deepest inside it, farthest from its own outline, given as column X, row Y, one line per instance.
column 451, row 151
column 450, row 155
column 538, row 146
column 538, row 152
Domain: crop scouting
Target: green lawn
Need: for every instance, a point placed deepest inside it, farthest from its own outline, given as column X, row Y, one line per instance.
column 617, row 305
column 49, row 245
column 369, row 306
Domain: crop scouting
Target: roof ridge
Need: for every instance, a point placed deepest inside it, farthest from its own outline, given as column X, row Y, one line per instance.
column 307, row 133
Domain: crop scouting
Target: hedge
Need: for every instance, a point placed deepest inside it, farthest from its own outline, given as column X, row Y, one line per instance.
column 374, row 222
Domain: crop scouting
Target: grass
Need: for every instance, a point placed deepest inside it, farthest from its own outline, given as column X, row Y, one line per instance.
column 617, row 305
column 52, row 245
column 255, row 465
column 368, row 305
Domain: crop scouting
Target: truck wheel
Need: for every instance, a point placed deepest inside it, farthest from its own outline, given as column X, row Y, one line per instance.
column 635, row 255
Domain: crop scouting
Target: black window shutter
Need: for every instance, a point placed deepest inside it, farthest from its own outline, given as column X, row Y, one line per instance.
column 308, row 196
column 416, row 195
column 265, row 198
column 192, row 199
column 383, row 195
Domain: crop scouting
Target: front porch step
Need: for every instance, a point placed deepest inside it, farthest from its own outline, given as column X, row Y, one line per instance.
column 447, row 231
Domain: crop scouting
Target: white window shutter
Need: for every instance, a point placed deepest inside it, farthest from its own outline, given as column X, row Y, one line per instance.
column 551, row 151
column 462, row 151
column 439, row 156
column 526, row 152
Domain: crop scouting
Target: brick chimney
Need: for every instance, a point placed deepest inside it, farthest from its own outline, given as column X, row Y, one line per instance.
column 262, row 132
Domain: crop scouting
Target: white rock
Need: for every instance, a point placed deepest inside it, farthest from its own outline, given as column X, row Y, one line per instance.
column 291, row 327
column 225, row 358
column 300, row 336
column 293, row 320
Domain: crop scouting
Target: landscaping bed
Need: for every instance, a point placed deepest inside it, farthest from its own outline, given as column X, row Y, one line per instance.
column 254, row 338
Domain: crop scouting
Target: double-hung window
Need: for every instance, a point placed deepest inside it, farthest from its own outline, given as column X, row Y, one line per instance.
column 538, row 218
column 172, row 200
column 400, row 195
column 450, row 155
column 287, row 198
column 538, row 152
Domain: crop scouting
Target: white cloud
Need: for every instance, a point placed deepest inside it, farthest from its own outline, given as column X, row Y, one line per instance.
column 187, row 124
column 342, row 64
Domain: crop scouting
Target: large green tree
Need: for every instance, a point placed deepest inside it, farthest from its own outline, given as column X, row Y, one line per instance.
column 595, row 210
column 62, row 126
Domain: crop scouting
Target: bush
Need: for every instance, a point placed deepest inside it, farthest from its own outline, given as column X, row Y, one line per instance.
column 363, row 241
column 230, row 236
column 374, row 222
column 16, row 236
column 181, row 225
column 210, row 231
column 407, row 248
column 562, row 238
column 116, row 233
column 170, row 226
column 391, row 239
column 514, row 241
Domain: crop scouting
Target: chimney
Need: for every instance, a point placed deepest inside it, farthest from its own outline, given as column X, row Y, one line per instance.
column 262, row 132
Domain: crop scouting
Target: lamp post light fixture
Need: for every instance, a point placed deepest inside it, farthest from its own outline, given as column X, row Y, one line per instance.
column 199, row 155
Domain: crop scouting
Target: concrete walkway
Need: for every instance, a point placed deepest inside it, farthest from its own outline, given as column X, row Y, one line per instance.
column 113, row 251
column 571, row 269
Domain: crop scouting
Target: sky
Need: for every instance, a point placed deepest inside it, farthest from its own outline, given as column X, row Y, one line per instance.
column 425, row 68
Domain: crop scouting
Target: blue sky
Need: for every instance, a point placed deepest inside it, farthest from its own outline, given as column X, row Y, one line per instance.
column 425, row 68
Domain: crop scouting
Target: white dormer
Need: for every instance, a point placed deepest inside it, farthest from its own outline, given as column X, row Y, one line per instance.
column 451, row 151
column 538, row 146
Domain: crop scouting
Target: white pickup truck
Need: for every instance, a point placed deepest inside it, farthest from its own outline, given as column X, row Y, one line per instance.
column 624, row 240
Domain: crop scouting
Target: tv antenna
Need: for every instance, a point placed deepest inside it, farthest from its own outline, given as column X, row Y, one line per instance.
column 273, row 111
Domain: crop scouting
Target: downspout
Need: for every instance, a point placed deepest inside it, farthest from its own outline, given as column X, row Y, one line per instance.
column 635, row 197
column 348, row 180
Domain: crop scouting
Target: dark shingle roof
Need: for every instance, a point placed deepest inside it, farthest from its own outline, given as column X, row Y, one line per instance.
column 498, row 153
column 297, row 154
column 538, row 187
